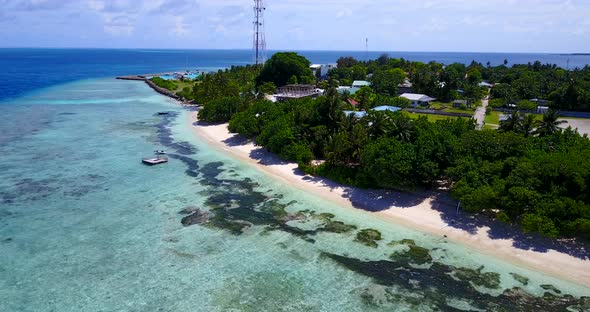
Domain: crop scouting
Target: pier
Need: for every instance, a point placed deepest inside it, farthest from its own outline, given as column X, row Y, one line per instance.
column 152, row 85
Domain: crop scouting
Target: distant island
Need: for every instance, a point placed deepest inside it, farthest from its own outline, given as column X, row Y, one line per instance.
column 408, row 126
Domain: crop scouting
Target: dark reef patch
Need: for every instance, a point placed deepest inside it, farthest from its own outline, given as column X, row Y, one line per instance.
column 520, row 278
column 434, row 286
column 368, row 237
column 164, row 136
column 196, row 217
column 28, row 189
column 416, row 254
column 477, row 277
column 551, row 288
column 192, row 165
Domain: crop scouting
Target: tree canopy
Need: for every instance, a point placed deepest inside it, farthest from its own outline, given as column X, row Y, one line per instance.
column 284, row 67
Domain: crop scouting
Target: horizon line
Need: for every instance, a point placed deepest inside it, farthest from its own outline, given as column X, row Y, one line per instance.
column 290, row 50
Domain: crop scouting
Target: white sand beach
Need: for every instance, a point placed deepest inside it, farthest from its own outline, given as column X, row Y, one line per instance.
column 428, row 214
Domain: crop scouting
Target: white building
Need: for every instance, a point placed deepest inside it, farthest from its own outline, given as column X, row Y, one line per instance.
column 360, row 83
column 321, row 70
column 356, row 85
column 417, row 99
column 542, row 109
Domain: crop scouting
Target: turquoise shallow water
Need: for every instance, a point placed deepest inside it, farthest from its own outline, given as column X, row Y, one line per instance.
column 85, row 227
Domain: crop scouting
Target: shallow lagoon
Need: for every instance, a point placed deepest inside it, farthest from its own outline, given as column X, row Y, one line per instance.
column 85, row 227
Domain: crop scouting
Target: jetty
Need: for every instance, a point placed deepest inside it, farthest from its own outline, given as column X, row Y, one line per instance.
column 142, row 77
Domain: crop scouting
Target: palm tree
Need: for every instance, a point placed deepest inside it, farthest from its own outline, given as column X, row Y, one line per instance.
column 549, row 124
column 513, row 123
column 528, row 125
column 379, row 123
column 348, row 122
column 358, row 139
column 402, row 129
column 338, row 149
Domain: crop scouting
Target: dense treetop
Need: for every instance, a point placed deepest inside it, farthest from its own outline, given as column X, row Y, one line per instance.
column 286, row 68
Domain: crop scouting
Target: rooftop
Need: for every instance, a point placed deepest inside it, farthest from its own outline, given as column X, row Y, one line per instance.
column 360, row 83
column 386, row 108
column 356, row 114
column 417, row 97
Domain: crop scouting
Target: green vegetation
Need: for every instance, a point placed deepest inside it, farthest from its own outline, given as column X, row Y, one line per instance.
column 166, row 84
column 567, row 90
column 430, row 117
column 530, row 172
column 434, row 79
column 458, row 110
column 493, row 118
column 286, row 68
column 220, row 110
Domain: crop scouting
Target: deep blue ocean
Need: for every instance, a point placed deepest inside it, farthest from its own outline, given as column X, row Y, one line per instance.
column 26, row 70
column 84, row 226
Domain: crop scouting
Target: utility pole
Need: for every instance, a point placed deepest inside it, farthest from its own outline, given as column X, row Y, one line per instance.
column 259, row 36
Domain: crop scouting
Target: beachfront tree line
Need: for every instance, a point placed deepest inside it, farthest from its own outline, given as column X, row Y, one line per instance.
column 540, row 180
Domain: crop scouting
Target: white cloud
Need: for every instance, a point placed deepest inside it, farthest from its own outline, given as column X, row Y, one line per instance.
column 344, row 13
column 180, row 27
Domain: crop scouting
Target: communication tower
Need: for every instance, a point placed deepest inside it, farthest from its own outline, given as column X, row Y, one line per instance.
column 259, row 37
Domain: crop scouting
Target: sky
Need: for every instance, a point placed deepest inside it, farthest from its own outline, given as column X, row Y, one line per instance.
column 536, row 26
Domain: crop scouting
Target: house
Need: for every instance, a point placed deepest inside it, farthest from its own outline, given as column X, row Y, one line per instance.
column 542, row 109
column 485, row 84
column 540, row 102
column 320, row 71
column 343, row 89
column 360, row 83
column 386, row 108
column 357, row 84
column 542, row 105
column 352, row 102
column 418, row 99
column 316, row 69
column 405, row 87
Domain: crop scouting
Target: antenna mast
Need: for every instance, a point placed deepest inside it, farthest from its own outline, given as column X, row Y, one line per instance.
column 367, row 49
column 259, row 37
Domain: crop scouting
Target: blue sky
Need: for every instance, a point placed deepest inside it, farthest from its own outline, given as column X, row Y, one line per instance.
column 390, row 25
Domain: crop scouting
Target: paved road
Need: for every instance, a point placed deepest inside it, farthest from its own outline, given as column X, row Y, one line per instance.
column 583, row 125
column 480, row 113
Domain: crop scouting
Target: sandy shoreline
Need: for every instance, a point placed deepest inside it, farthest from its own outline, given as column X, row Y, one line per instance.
column 428, row 215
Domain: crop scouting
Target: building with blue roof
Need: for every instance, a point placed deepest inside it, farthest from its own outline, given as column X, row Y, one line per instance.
column 387, row 108
column 358, row 115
